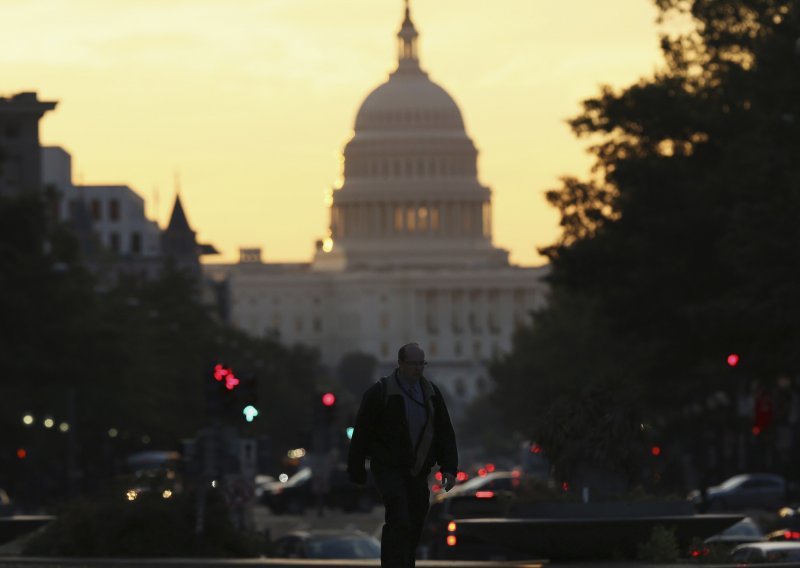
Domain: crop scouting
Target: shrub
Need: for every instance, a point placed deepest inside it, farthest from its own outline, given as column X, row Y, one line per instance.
column 149, row 526
column 661, row 547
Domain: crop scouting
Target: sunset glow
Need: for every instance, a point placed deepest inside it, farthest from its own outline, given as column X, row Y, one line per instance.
column 251, row 103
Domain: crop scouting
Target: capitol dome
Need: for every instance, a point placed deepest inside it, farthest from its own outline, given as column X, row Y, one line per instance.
column 410, row 196
column 408, row 100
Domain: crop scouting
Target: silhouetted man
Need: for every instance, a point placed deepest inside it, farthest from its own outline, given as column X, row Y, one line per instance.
column 404, row 428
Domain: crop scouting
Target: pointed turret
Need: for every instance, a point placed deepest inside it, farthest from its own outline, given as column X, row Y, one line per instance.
column 177, row 221
column 178, row 241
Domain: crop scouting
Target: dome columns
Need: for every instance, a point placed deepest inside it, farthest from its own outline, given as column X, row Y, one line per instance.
column 411, row 219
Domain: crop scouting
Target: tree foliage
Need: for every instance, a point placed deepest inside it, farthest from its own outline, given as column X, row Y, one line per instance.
column 682, row 244
column 127, row 367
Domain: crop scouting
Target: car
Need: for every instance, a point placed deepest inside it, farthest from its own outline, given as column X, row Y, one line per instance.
column 6, row 505
column 330, row 544
column 297, row 494
column 772, row 552
column 785, row 534
column 489, row 483
column 786, row 526
column 744, row 532
column 744, row 491
column 441, row 538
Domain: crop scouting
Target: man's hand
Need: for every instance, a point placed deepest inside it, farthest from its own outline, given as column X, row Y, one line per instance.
column 448, row 481
column 358, row 476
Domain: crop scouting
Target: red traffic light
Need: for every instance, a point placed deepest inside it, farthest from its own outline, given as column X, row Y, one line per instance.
column 225, row 375
column 328, row 399
column 733, row 360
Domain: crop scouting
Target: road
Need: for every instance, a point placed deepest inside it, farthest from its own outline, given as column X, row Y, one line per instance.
column 278, row 525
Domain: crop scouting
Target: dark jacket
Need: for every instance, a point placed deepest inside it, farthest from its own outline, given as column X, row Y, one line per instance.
column 381, row 433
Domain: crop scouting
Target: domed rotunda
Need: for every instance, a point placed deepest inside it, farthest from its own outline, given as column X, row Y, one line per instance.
column 411, row 196
column 409, row 254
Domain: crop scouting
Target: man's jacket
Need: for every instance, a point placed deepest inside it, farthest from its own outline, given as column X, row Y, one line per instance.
column 381, row 433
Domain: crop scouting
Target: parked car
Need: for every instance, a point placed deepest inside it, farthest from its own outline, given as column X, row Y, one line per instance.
column 341, row 544
column 772, row 552
column 745, row 491
column 297, row 494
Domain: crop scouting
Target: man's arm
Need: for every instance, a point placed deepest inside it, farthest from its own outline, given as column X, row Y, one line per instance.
column 448, row 452
column 362, row 432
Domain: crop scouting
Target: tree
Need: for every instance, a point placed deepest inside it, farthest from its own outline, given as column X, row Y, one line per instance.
column 124, row 367
column 682, row 244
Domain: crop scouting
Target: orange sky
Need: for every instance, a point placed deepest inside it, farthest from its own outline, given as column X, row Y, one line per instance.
column 252, row 101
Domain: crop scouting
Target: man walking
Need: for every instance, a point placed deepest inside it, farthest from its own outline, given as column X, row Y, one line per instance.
column 404, row 428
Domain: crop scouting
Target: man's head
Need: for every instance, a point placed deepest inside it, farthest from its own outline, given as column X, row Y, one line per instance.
column 411, row 360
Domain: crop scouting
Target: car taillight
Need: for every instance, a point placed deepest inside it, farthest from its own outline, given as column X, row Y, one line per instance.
column 791, row 535
column 484, row 494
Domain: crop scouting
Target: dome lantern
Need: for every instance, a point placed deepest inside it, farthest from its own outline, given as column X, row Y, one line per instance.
column 407, row 43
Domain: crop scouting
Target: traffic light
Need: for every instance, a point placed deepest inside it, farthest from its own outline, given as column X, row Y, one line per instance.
column 225, row 376
column 228, row 393
column 733, row 359
column 328, row 400
column 248, row 396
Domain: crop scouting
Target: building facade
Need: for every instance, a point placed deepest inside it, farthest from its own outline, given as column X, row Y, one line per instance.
column 408, row 255
column 20, row 158
column 117, row 211
column 117, row 238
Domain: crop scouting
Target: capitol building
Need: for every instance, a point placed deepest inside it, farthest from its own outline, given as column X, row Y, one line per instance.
column 408, row 254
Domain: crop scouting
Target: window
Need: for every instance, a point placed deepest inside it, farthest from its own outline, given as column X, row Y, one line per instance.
column 398, row 219
column 474, row 324
column 422, row 216
column 113, row 209
column 411, row 219
column 487, row 220
column 94, row 209
column 136, row 243
column 317, row 324
column 114, row 242
column 476, row 349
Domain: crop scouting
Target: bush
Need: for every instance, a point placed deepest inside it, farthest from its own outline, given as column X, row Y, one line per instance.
column 661, row 547
column 149, row 526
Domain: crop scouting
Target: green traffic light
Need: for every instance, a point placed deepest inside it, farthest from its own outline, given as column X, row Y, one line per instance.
column 250, row 412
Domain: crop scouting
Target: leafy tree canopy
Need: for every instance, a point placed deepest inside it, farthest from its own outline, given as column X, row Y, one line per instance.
column 683, row 244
